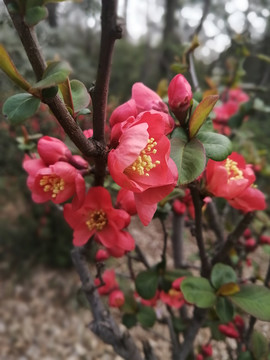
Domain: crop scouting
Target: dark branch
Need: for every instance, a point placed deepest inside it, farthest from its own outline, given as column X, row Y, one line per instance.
column 205, row 267
column 110, row 31
column 178, row 240
column 103, row 324
column 215, row 222
column 232, row 239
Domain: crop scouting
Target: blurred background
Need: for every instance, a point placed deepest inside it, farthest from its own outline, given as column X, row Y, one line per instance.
column 234, row 51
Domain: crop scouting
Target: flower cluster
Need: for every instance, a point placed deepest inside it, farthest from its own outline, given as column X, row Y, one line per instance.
column 140, row 159
column 233, row 329
column 52, row 175
column 233, row 180
column 233, row 98
column 110, row 287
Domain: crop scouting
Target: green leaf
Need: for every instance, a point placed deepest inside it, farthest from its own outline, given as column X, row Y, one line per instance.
column 222, row 274
column 56, row 73
column 224, row 309
column 200, row 114
column 7, row 65
column 263, row 57
column 189, row 158
column 84, row 112
column 19, row 107
column 146, row 316
column 146, row 284
column 180, row 133
column 217, row 147
column 129, row 320
column 246, row 355
column 35, row 14
column 50, row 92
column 198, row 291
column 254, row 300
column 80, row 95
column 259, row 346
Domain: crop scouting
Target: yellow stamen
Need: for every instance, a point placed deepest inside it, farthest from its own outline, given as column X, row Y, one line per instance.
column 143, row 164
column 174, row 293
column 233, row 171
column 97, row 220
column 52, row 183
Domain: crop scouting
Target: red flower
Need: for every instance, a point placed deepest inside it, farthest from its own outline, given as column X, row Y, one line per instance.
column 97, row 217
column 247, row 233
column 174, row 297
column 150, row 302
column 109, row 280
column 207, row 350
column 229, row 330
column 141, row 163
column 264, row 239
column 143, row 99
column 228, row 178
column 52, row 150
column 250, row 199
column 179, row 207
column 58, row 182
column 116, row 298
column 125, row 200
column 250, row 244
column 239, row 323
column 199, row 357
column 180, row 96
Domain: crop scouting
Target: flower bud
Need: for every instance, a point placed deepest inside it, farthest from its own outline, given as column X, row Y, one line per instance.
column 239, row 322
column 180, row 96
column 199, row 357
column 52, row 150
column 178, row 207
column 229, row 330
column 207, row 350
column 250, row 244
column 264, row 239
column 116, row 298
column 102, row 255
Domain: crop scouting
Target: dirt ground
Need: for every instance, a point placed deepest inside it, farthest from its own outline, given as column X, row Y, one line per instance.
column 43, row 318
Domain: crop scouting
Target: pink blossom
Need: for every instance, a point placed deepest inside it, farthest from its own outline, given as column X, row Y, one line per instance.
column 251, row 199
column 97, row 217
column 52, row 150
column 109, row 280
column 125, row 200
column 141, row 163
column 180, row 96
column 116, row 298
column 58, row 182
column 102, row 255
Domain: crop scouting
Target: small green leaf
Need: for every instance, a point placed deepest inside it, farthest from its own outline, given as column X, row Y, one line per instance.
column 20, row 107
column 259, row 346
column 80, row 95
column 228, row 289
column 146, row 316
column 84, row 112
column 200, row 114
column 254, row 300
column 179, row 133
column 55, row 74
column 263, row 57
column 246, row 355
column 217, row 147
column 189, row 158
column 198, row 291
column 50, row 92
column 35, row 14
column 129, row 320
column 146, row 284
column 224, row 309
column 7, row 65
column 222, row 274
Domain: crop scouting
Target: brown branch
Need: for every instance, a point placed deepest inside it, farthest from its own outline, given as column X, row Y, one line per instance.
column 215, row 223
column 205, row 266
column 232, row 239
column 103, row 324
column 89, row 148
column 110, row 31
column 178, row 240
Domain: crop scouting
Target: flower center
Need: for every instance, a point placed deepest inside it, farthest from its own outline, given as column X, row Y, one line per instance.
column 174, row 293
column 97, row 220
column 52, row 183
column 233, row 171
column 143, row 164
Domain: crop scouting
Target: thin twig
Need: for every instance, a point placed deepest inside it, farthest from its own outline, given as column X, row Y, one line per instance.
column 165, row 240
column 178, row 240
column 142, row 257
column 215, row 223
column 205, row 266
column 233, row 238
